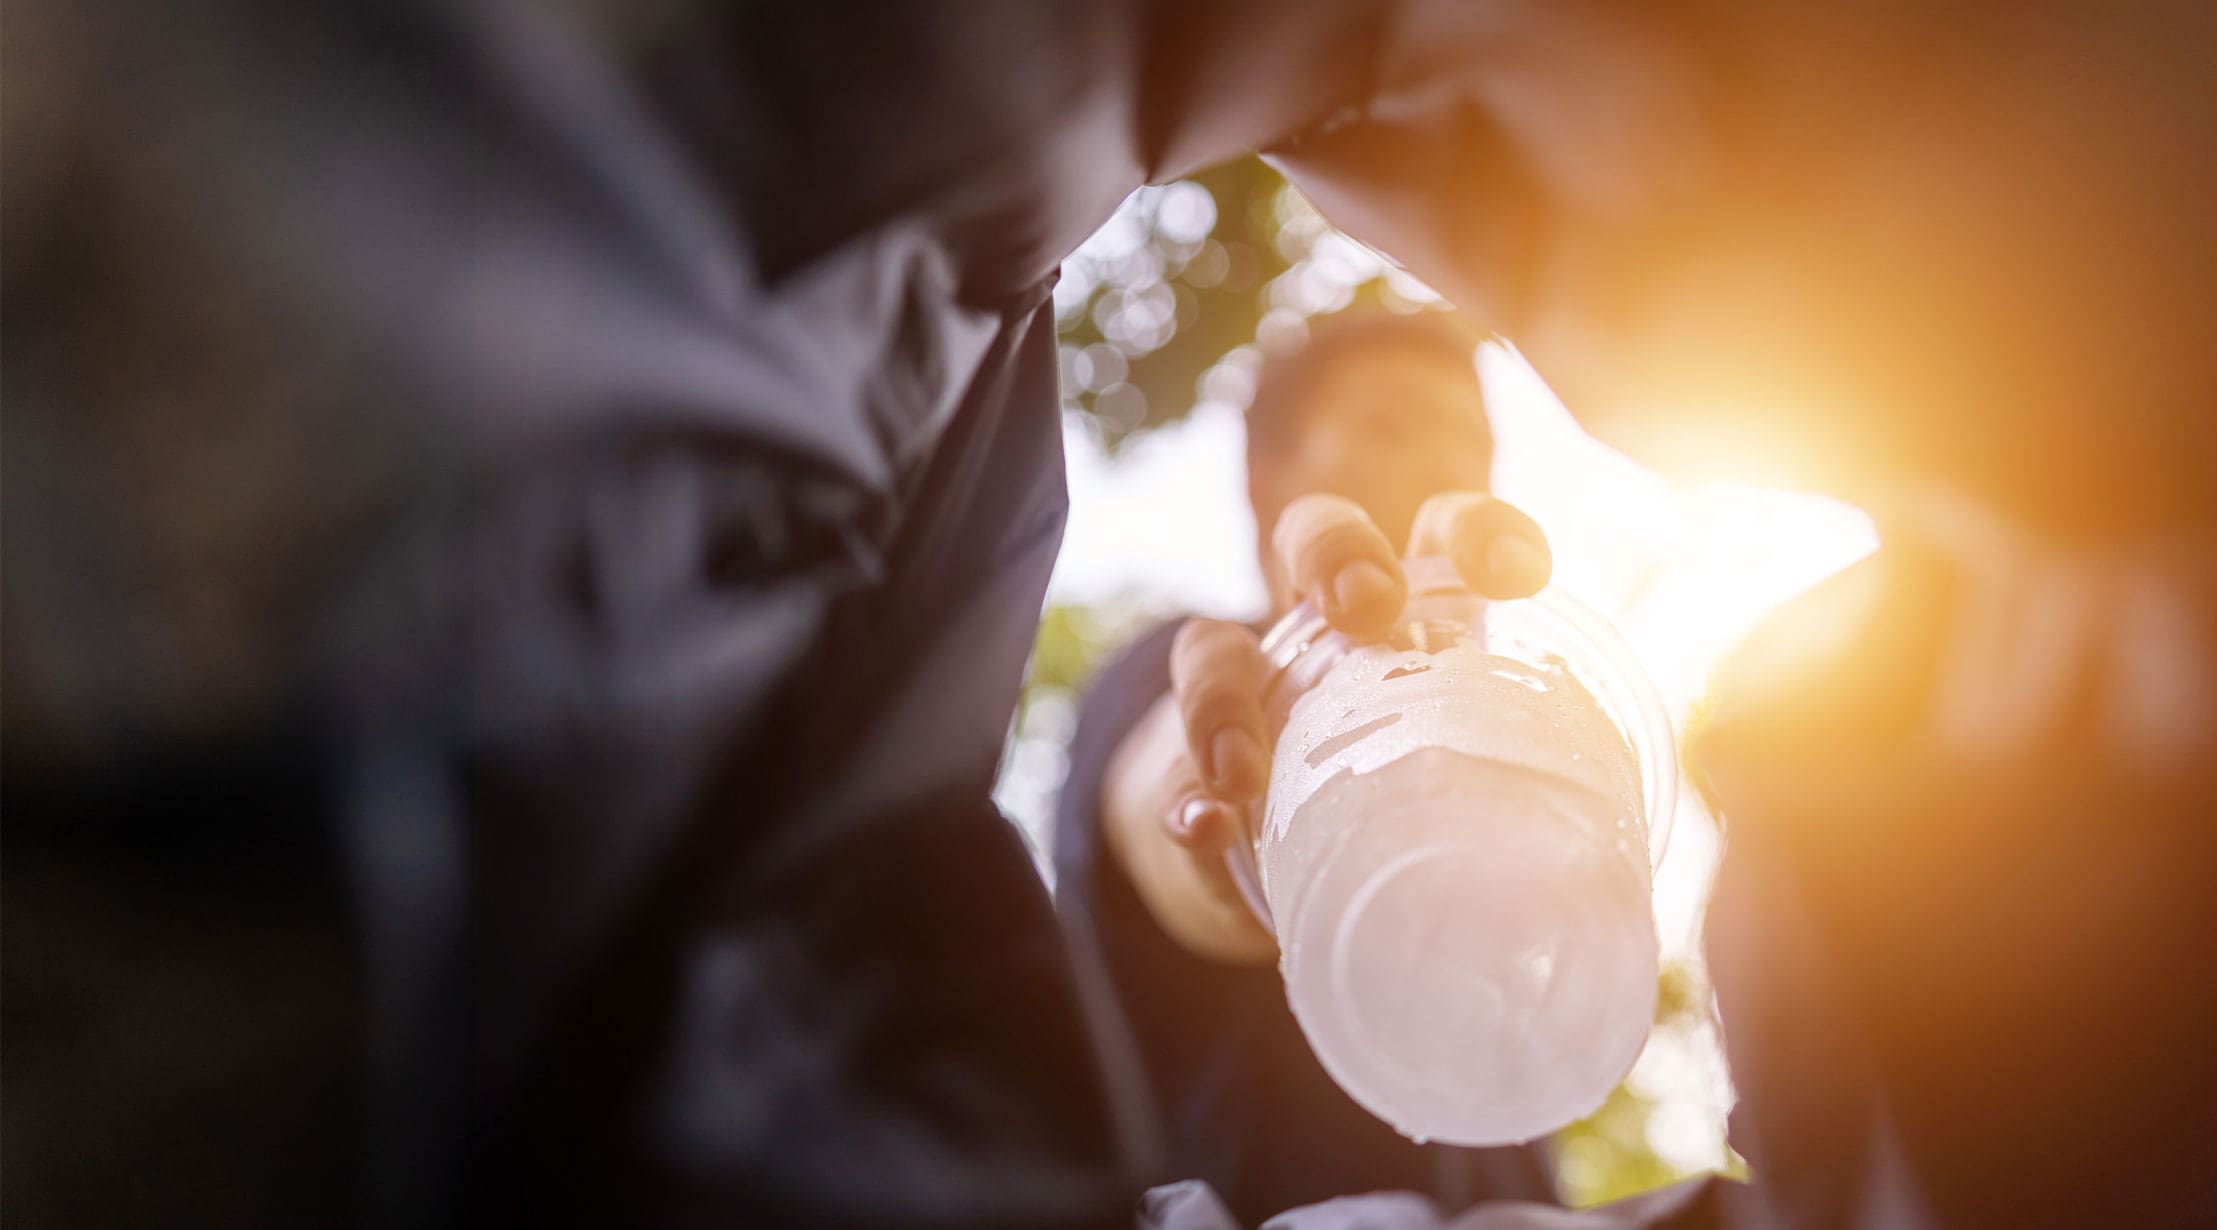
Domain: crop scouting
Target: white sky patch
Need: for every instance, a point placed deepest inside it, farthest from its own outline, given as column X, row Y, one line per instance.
column 1165, row 526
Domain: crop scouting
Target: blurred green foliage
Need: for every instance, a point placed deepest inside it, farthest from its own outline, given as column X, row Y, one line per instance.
column 1072, row 640
column 1609, row 1155
column 1605, row 1156
column 1172, row 301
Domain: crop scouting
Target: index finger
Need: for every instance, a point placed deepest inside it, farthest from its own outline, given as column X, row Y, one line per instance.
column 1499, row 551
column 1336, row 557
column 1217, row 673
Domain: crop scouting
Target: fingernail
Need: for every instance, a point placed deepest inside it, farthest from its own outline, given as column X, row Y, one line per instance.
column 1191, row 815
column 1518, row 564
column 1360, row 585
column 1235, row 759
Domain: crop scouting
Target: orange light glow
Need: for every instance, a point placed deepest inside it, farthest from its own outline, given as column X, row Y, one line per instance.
column 1685, row 568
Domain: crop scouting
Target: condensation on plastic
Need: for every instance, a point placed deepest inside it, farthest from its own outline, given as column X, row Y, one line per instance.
column 1303, row 648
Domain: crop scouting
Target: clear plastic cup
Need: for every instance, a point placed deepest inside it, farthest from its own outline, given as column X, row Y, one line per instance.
column 1456, row 854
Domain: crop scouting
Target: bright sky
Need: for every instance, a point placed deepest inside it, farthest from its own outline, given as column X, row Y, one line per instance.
column 1166, row 523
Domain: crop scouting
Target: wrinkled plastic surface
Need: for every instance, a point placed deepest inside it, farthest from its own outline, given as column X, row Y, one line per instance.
column 1455, row 855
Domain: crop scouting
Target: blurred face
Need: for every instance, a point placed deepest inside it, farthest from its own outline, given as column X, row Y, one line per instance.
column 1386, row 428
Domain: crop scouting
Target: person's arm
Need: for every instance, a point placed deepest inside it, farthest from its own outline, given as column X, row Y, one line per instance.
column 1152, row 784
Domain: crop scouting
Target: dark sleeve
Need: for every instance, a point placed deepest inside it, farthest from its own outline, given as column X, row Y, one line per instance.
column 503, row 675
column 1237, row 1097
column 1698, row 1204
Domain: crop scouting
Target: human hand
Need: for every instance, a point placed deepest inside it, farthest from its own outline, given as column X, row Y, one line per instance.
column 1175, row 796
